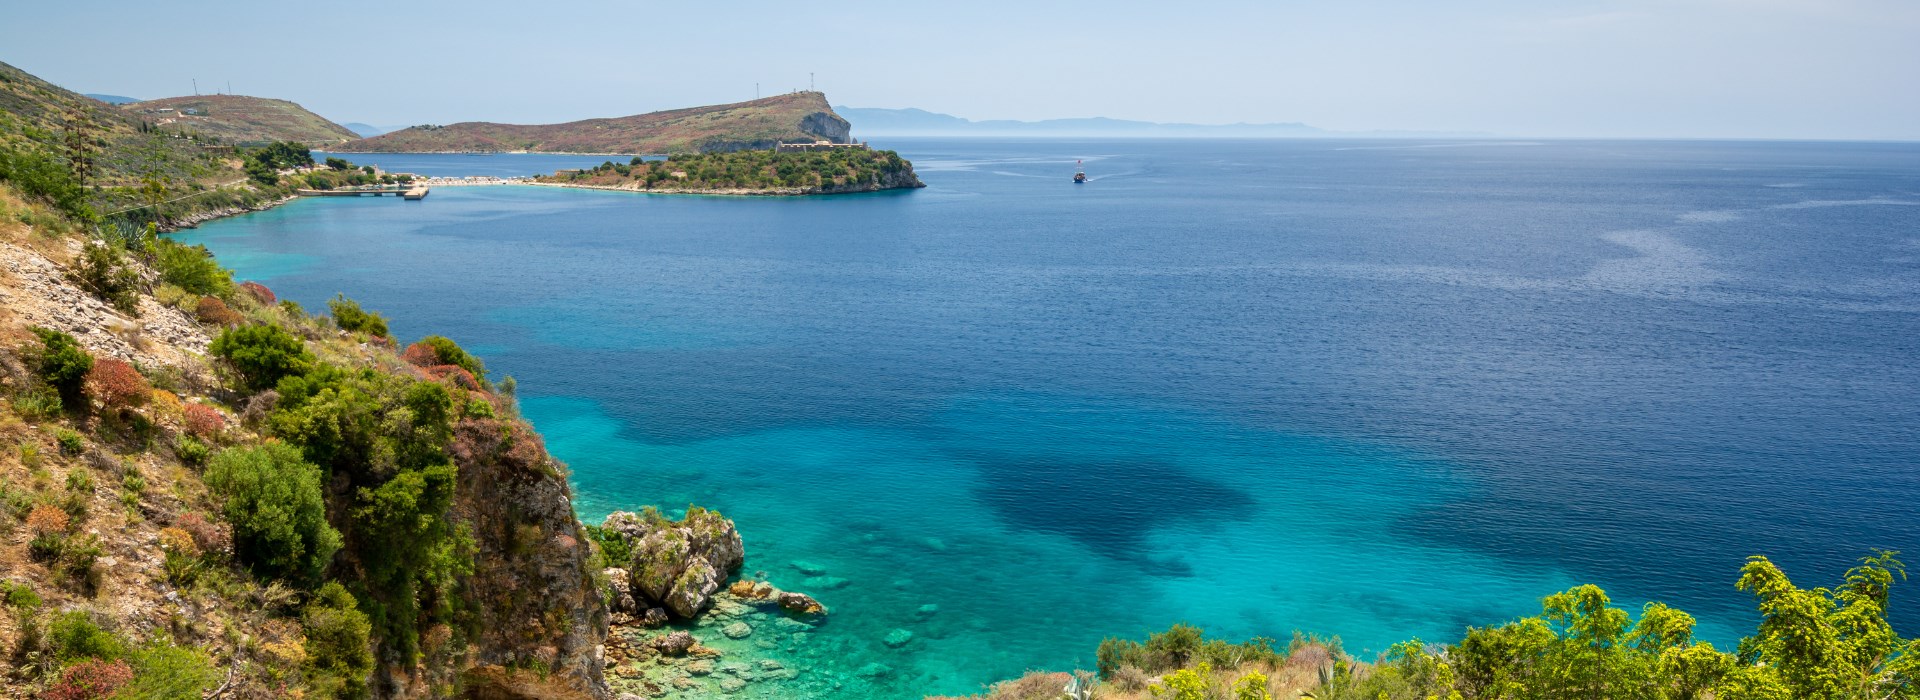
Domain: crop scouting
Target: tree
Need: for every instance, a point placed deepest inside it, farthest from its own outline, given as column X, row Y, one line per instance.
column 191, row 267
column 339, row 648
column 103, row 272
column 348, row 315
column 273, row 501
column 1826, row 645
column 63, row 364
column 262, row 355
column 338, row 163
column 43, row 177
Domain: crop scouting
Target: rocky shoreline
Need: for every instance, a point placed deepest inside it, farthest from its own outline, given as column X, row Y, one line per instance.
column 197, row 218
column 739, row 192
column 673, row 631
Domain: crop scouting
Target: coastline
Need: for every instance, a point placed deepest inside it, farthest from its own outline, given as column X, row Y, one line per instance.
column 195, row 219
column 776, row 192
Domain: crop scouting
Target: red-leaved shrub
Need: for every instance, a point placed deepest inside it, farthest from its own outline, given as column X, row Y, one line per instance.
column 421, row 355
column 209, row 537
column 213, row 310
column 117, row 384
column 90, row 680
column 259, row 292
column 47, row 519
column 457, row 374
column 204, row 422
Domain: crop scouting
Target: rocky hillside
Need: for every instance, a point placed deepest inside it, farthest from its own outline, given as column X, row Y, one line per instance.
column 758, row 124
column 204, row 488
column 240, row 119
column 101, row 145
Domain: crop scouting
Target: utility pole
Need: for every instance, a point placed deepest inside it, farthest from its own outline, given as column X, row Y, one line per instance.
column 756, row 91
column 809, row 81
column 196, row 87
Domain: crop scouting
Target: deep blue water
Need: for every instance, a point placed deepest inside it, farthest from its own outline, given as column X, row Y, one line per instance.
column 1376, row 389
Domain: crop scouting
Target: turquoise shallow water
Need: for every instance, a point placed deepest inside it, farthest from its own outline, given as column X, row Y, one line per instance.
column 1372, row 389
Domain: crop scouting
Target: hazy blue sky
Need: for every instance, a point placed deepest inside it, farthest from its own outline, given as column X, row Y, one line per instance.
column 1725, row 68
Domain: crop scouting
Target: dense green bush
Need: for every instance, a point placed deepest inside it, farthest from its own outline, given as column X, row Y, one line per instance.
column 273, row 500
column 168, row 672
column 262, row 355
column 44, row 177
column 73, row 636
column 62, row 364
column 1812, row 644
column 104, row 273
column 191, row 267
column 450, row 353
column 348, row 315
column 339, row 647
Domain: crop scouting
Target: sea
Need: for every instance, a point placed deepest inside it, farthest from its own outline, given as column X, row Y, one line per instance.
column 1372, row 389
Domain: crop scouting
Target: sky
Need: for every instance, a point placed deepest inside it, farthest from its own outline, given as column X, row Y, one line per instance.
column 1819, row 69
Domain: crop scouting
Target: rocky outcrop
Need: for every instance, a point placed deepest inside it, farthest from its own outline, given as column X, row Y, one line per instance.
column 679, row 565
column 829, row 126
column 542, row 616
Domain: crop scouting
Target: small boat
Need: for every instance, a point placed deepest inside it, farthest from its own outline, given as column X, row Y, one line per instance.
column 1079, row 173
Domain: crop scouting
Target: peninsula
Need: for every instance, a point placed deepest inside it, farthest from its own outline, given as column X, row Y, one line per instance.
column 756, row 124
column 788, row 169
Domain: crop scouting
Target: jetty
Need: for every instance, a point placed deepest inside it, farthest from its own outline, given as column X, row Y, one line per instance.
column 410, row 192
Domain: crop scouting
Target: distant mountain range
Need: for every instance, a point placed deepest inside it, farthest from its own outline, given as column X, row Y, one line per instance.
column 367, row 131
column 868, row 121
column 113, row 99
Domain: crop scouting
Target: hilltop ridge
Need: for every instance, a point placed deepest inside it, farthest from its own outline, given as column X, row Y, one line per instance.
column 242, row 119
column 754, row 124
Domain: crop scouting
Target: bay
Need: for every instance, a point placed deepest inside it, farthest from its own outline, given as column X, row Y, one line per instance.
column 1366, row 388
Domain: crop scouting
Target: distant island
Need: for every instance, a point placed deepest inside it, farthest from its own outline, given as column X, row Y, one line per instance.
column 756, row 124
column 789, row 169
column 240, row 119
column 112, row 99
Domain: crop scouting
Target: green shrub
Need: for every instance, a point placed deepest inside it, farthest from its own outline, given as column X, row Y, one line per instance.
column 104, row 273
column 273, row 500
column 262, row 355
column 613, row 546
column 19, row 596
column 73, row 636
column 192, row 451
column 191, row 268
column 479, row 408
column 70, row 442
column 339, row 646
column 348, row 315
column 80, row 481
column 62, row 364
column 450, row 353
column 168, row 672
column 46, row 178
column 38, row 403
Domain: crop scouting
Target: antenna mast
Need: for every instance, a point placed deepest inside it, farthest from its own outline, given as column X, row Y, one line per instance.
column 810, row 81
column 196, row 86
